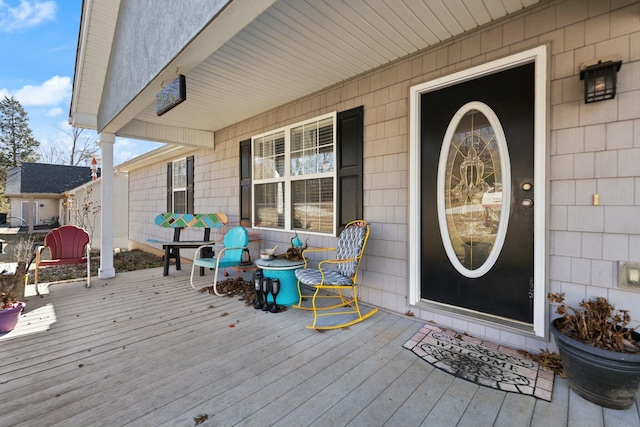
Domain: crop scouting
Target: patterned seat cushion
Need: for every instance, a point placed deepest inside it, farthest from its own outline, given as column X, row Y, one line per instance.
column 311, row 276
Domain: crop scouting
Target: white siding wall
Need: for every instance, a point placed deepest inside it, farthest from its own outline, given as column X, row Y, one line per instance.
column 47, row 209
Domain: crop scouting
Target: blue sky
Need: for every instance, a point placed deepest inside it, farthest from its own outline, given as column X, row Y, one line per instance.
column 38, row 42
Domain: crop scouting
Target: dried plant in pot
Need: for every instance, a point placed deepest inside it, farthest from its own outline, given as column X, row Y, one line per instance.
column 12, row 285
column 599, row 351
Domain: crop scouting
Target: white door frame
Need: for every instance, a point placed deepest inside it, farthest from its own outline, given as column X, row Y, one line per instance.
column 539, row 57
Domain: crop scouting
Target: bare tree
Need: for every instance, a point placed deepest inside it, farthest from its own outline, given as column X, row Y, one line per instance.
column 50, row 153
column 83, row 147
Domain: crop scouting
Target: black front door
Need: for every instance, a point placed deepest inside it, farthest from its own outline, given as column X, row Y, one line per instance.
column 474, row 255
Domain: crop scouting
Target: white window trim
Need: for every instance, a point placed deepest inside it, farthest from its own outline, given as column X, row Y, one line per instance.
column 288, row 178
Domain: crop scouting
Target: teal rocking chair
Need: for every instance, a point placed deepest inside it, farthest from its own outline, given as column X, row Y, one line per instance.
column 229, row 254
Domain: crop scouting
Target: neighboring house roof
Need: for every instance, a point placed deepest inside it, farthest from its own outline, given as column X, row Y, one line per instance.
column 42, row 178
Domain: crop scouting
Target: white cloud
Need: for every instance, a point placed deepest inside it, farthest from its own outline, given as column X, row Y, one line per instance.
column 54, row 112
column 126, row 149
column 27, row 14
column 51, row 93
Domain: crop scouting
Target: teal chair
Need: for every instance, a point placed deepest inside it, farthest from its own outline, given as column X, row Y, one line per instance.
column 235, row 243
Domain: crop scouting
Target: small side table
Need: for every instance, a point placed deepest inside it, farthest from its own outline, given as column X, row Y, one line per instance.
column 284, row 270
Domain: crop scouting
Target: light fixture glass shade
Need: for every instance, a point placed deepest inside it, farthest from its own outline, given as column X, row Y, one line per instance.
column 600, row 81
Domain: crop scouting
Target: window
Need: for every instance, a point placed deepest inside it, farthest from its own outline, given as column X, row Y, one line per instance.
column 295, row 175
column 180, row 185
column 307, row 176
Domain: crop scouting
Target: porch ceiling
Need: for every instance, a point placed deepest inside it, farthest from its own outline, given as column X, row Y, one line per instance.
column 291, row 49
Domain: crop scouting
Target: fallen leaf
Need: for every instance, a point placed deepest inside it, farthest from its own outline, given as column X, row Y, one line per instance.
column 200, row 419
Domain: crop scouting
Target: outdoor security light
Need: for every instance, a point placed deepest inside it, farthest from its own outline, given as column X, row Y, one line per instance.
column 600, row 81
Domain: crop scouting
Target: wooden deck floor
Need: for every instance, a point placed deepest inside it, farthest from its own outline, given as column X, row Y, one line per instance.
column 147, row 350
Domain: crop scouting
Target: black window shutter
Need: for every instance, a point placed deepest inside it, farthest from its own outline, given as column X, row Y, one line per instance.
column 350, row 134
column 245, row 181
column 190, row 162
column 170, row 187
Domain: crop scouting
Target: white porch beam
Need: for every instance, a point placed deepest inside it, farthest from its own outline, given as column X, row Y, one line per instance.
column 138, row 129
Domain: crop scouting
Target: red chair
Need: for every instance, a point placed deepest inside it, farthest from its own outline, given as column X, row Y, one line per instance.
column 67, row 245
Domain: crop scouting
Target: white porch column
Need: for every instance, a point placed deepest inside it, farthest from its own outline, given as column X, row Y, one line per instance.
column 106, row 270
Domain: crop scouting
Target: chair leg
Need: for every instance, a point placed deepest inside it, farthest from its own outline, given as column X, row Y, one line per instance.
column 88, row 271
column 315, row 310
column 193, row 269
column 215, row 283
column 351, row 303
column 35, row 280
column 215, row 280
column 300, row 298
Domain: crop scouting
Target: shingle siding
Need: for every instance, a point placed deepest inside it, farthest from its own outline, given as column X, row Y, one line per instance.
column 592, row 149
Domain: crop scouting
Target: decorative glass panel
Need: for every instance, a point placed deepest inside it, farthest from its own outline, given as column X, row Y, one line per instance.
column 269, row 204
column 313, row 204
column 473, row 189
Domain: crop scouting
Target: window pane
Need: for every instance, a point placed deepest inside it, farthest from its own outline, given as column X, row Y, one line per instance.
column 180, row 201
column 269, row 158
column 180, row 174
column 312, row 148
column 269, row 204
column 313, row 204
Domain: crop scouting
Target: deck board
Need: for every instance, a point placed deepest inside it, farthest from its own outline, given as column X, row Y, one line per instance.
column 146, row 350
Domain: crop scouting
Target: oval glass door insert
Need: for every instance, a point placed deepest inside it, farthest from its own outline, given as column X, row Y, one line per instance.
column 474, row 189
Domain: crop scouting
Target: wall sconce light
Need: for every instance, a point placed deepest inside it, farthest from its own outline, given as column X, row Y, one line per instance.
column 600, row 80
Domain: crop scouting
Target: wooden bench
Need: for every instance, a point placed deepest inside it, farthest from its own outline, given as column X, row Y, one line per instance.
column 179, row 222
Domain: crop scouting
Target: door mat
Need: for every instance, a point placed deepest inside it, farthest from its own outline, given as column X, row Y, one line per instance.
column 481, row 362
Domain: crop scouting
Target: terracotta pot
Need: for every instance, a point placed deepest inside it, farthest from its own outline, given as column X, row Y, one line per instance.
column 607, row 378
column 9, row 317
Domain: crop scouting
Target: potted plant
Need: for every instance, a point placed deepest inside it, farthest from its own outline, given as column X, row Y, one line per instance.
column 13, row 278
column 600, row 352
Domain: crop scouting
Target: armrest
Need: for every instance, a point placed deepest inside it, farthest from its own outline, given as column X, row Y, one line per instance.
column 229, row 249
column 38, row 251
column 311, row 250
column 337, row 261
